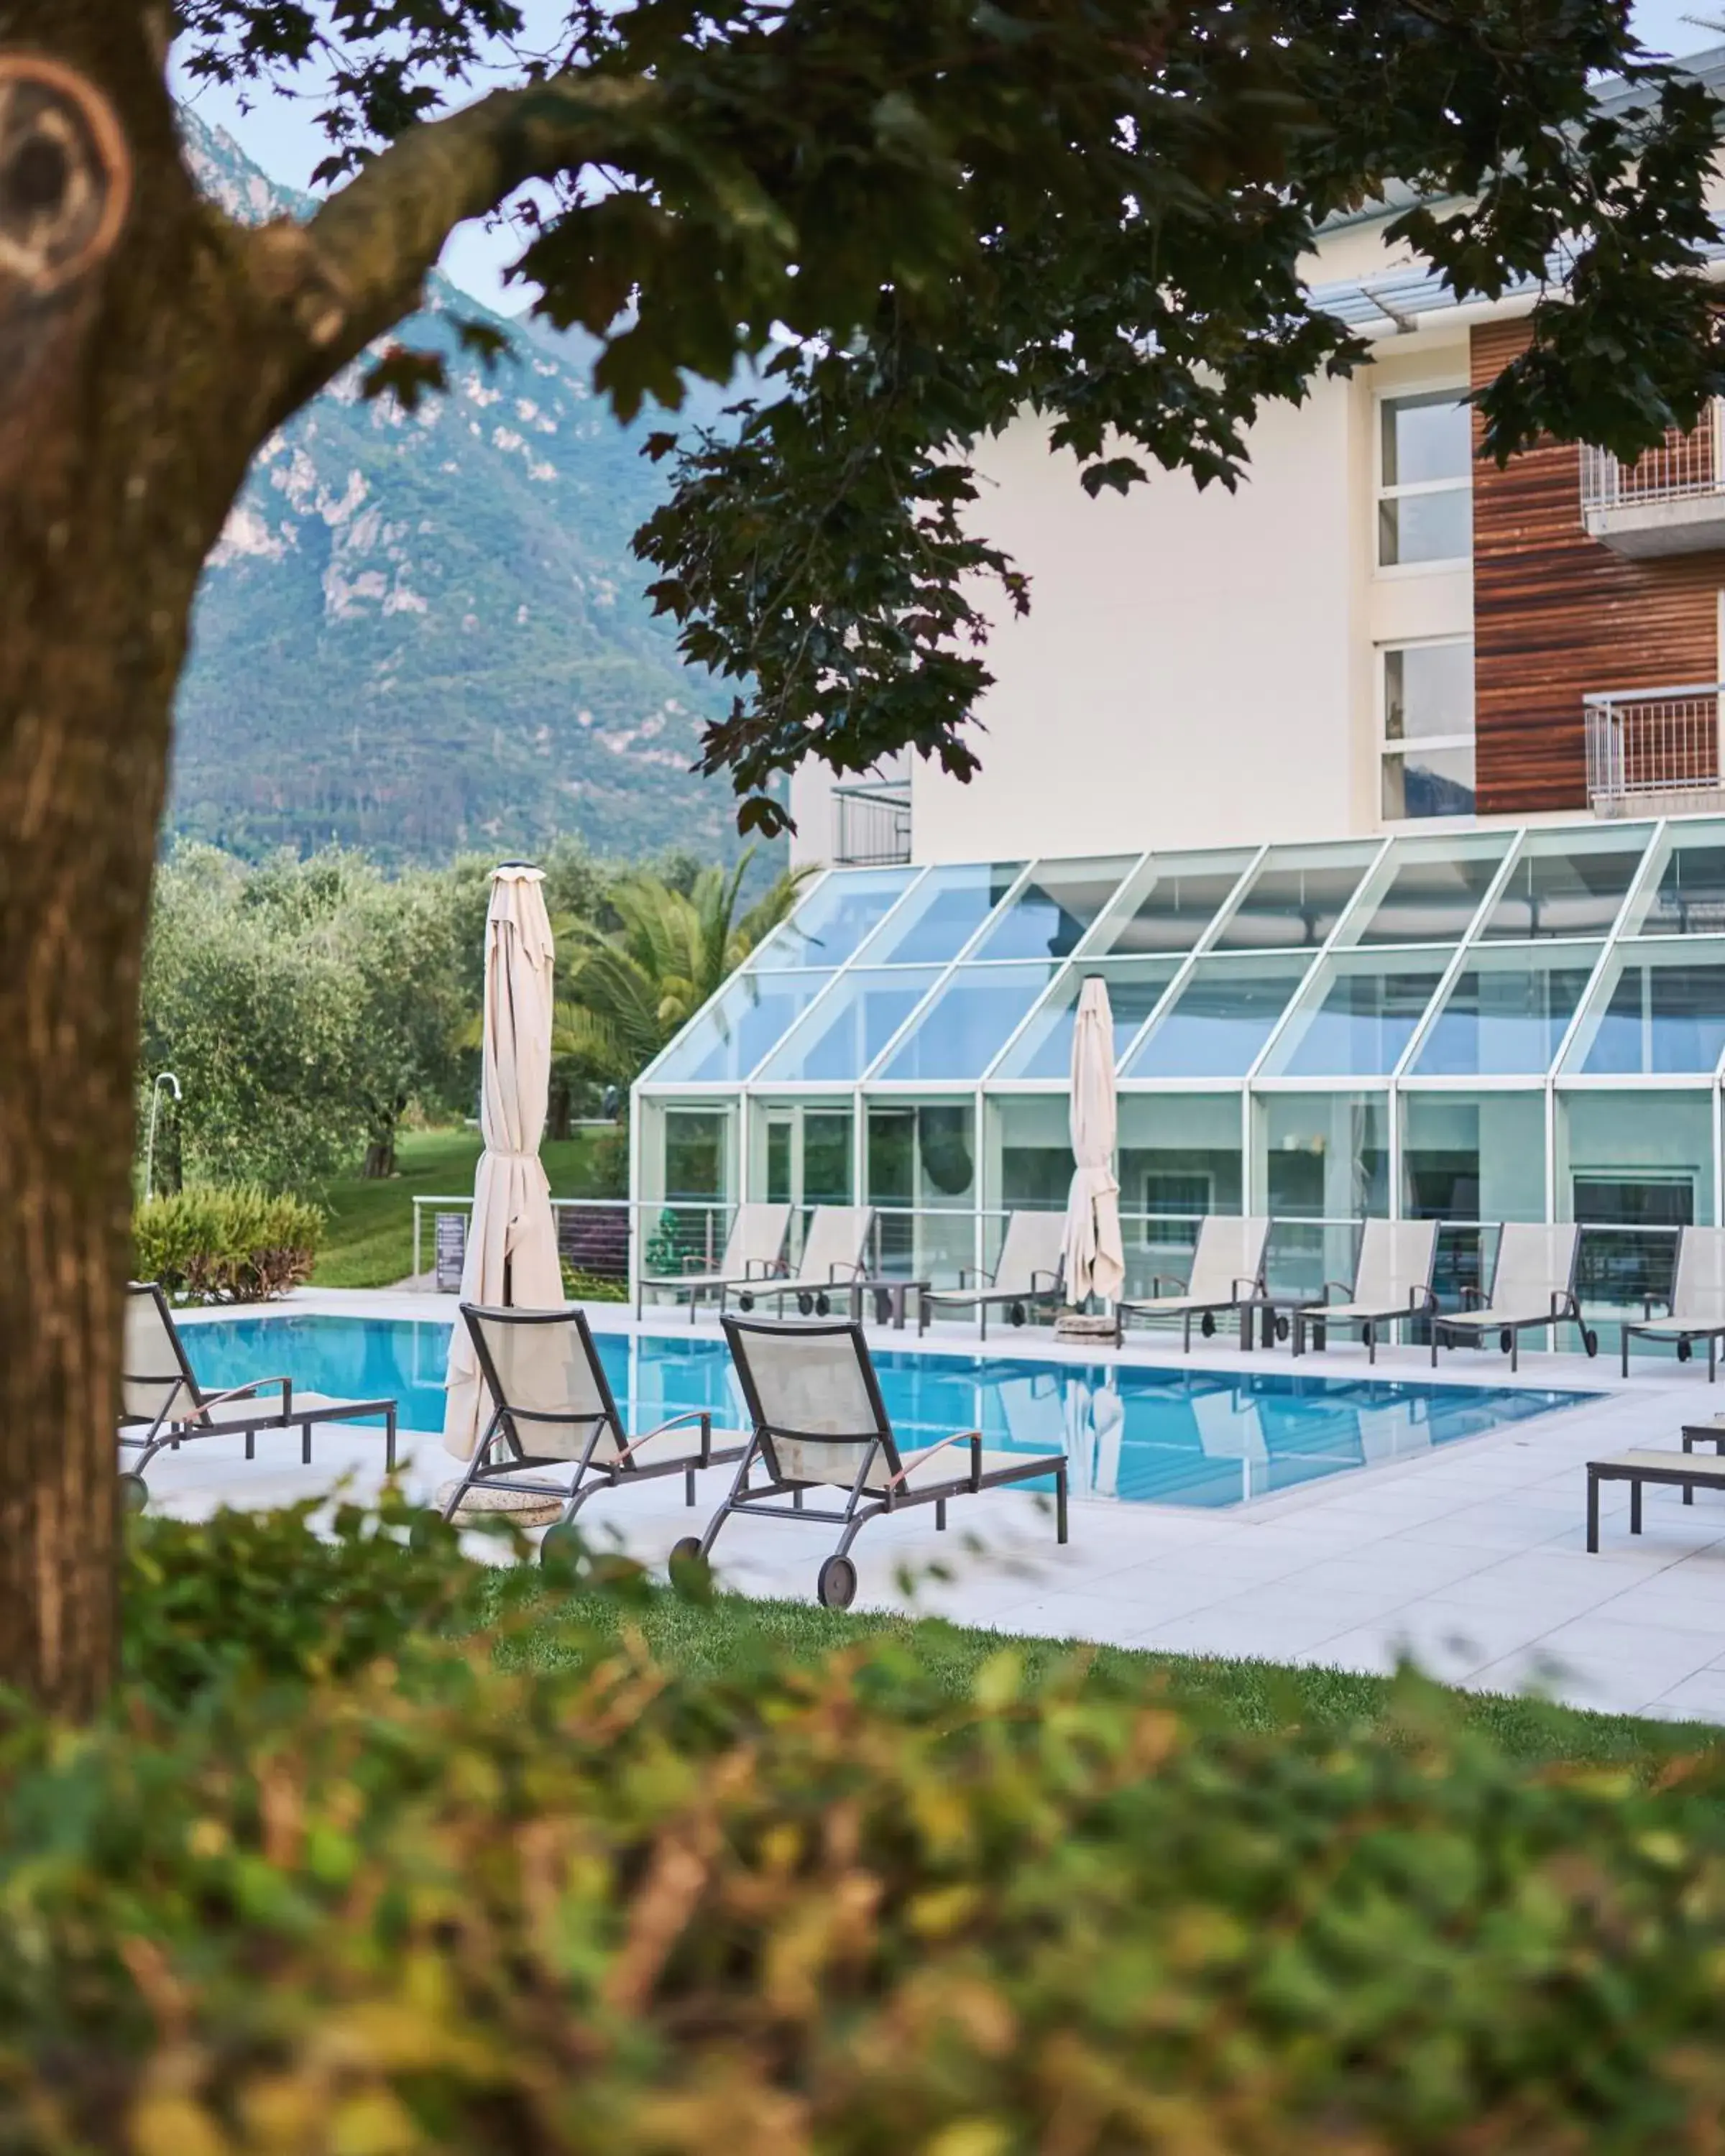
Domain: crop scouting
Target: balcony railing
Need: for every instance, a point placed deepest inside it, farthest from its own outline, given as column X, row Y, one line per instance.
column 1671, row 501
column 1645, row 743
column 873, row 826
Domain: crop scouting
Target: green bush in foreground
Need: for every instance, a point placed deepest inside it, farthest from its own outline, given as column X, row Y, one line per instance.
column 240, row 1246
column 433, row 1904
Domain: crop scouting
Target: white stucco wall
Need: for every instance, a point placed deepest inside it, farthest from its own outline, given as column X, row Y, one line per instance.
column 1185, row 675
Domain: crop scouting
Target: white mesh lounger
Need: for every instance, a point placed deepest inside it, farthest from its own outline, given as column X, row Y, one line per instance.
column 1392, row 1282
column 1533, row 1285
column 832, row 1258
column 1697, row 1304
column 1026, row 1276
column 552, row 1407
column 162, row 1405
column 754, row 1250
column 1227, row 1271
column 821, row 1425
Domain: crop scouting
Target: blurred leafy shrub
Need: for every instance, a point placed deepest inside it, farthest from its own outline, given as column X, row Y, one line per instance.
column 580, row 1285
column 238, row 1245
column 435, row 1903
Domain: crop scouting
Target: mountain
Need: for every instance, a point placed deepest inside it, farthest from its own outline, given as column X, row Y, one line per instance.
column 425, row 632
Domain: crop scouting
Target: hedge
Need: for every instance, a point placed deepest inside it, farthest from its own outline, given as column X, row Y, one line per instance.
column 311, row 1901
column 238, row 1245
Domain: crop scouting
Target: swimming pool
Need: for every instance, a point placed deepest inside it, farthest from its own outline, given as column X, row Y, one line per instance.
column 1140, row 1434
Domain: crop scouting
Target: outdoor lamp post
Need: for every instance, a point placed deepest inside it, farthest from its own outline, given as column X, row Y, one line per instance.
column 162, row 1078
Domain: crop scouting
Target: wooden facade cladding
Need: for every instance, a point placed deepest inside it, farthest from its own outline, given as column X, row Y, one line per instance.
column 1556, row 615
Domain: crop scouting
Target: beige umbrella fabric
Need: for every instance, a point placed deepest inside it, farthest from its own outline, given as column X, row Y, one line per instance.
column 511, row 1238
column 1095, row 1256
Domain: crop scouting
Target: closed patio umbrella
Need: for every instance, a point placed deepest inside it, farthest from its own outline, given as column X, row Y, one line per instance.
column 1095, row 1257
column 511, row 1238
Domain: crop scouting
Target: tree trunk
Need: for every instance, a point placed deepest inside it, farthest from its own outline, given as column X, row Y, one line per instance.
column 559, row 1111
column 380, row 1158
column 125, row 427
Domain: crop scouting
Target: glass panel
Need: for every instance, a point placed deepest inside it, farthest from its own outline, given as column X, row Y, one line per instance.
column 1433, row 895
column 1427, row 690
column 729, row 1038
column 1690, row 900
column 1473, row 1156
column 1506, row 1020
column 1563, row 885
column 1425, row 527
column 827, row 1159
column 1426, row 438
column 1665, row 1012
column 1032, row 1163
column 833, row 919
column 1179, row 1160
column 1295, row 900
column 1053, row 910
column 1044, row 1049
column 922, row 1178
column 964, row 1028
column 851, row 1025
column 1635, row 1167
column 1366, row 1017
column 696, row 1147
column 1222, row 1018
column 1428, row 782
column 941, row 915
column 1183, row 896
column 1325, row 1156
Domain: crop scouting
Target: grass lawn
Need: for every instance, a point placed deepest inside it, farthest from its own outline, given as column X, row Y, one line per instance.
column 368, row 1237
column 718, row 1639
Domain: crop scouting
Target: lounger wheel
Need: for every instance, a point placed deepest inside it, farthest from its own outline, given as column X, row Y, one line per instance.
column 744, row 1302
column 560, row 1545
column 1506, row 1340
column 1684, row 1351
column 1590, row 1341
column 134, row 1493
column 805, row 1303
column 1015, row 1313
column 685, row 1561
column 1206, row 1325
column 822, row 1306
column 836, row 1584
column 1281, row 1328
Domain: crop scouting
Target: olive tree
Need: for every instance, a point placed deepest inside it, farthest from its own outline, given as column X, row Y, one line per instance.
column 924, row 215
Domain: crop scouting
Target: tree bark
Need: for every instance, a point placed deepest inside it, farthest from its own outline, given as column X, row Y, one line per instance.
column 126, row 429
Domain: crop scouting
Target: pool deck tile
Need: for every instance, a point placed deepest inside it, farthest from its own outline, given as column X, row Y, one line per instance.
column 1468, row 1556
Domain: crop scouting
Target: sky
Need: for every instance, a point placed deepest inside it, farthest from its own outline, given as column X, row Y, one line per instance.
column 279, row 136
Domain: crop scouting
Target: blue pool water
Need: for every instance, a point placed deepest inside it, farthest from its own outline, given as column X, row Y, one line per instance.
column 1172, row 1436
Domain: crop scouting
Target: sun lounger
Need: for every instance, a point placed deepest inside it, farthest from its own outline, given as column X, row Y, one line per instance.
column 832, row 1258
column 1026, row 1276
column 1392, row 1282
column 1533, row 1285
column 163, row 1407
column 1681, row 1471
column 552, row 1407
column 1697, row 1311
column 1227, row 1271
column 754, row 1249
column 820, row 1424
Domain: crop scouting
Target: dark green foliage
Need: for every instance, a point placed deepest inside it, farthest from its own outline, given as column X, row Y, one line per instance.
column 240, row 1246
column 822, row 1897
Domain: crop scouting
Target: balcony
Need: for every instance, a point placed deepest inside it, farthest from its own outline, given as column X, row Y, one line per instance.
column 872, row 824
column 1655, row 752
column 1671, row 500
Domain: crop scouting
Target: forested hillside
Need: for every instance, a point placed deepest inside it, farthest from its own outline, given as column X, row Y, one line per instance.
column 424, row 632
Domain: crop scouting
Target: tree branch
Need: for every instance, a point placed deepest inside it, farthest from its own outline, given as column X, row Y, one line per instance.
column 360, row 264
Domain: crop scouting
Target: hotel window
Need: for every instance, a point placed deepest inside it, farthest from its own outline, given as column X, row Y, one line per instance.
column 1427, row 695
column 1424, row 479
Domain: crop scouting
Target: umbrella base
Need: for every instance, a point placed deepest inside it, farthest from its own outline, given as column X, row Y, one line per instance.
column 1079, row 1324
column 525, row 1510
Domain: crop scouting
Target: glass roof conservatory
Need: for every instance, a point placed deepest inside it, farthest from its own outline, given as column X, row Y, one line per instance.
column 1505, row 1024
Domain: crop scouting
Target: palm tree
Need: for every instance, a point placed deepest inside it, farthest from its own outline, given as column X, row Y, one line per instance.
column 628, row 990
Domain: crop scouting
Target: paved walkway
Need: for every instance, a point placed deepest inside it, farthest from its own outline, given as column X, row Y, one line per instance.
column 1470, row 1558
